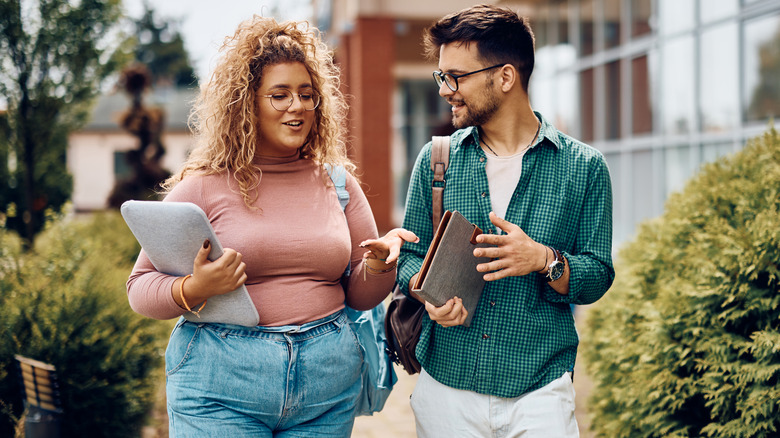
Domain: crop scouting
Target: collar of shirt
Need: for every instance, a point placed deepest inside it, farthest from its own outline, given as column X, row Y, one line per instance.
column 547, row 135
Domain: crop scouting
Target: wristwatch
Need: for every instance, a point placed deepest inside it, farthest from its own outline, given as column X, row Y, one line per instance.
column 556, row 268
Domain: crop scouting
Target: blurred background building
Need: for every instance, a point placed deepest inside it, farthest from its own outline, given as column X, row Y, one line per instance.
column 659, row 86
column 97, row 154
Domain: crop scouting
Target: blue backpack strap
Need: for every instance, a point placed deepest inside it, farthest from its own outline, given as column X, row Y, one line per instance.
column 377, row 371
column 338, row 174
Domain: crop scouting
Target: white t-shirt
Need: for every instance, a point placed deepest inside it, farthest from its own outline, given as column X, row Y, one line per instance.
column 503, row 174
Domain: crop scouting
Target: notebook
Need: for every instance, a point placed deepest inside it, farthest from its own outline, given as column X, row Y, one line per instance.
column 171, row 233
column 450, row 268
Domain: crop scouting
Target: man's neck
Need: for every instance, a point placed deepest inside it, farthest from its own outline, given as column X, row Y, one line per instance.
column 510, row 130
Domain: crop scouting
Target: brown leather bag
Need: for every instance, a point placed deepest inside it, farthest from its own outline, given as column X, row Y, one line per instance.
column 403, row 320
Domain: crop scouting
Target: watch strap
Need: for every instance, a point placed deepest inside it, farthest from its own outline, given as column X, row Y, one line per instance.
column 558, row 259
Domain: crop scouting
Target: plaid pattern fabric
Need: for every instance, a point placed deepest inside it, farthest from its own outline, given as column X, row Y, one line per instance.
column 522, row 336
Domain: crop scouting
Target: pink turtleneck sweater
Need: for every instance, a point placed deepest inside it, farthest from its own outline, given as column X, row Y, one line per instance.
column 295, row 245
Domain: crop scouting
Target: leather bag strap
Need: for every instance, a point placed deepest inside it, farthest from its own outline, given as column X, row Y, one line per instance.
column 440, row 159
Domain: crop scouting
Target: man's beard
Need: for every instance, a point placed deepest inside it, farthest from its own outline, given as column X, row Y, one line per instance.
column 478, row 113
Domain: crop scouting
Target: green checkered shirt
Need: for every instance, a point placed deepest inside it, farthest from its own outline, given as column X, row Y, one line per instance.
column 522, row 335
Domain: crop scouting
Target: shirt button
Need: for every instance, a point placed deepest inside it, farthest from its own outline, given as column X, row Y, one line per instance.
column 485, row 336
column 484, row 194
column 492, row 303
column 481, row 159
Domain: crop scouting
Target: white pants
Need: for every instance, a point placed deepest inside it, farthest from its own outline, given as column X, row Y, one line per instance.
column 442, row 411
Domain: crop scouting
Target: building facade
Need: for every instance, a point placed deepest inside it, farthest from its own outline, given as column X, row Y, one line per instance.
column 96, row 153
column 659, row 86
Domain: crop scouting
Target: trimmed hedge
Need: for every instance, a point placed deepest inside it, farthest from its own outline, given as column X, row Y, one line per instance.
column 687, row 342
column 65, row 303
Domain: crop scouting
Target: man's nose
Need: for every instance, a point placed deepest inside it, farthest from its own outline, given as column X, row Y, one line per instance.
column 444, row 90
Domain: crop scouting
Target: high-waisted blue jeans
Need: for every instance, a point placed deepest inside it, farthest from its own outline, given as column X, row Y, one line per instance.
column 291, row 381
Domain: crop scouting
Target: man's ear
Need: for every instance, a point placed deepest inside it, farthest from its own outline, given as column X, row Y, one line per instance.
column 509, row 77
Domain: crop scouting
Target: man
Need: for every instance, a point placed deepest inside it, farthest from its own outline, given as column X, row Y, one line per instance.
column 544, row 201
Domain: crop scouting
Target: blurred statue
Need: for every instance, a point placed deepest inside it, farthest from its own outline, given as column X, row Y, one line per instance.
column 146, row 124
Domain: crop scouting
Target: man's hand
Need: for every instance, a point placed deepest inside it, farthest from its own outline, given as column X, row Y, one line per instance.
column 514, row 253
column 452, row 313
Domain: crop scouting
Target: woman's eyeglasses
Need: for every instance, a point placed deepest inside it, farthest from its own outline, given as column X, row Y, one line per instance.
column 452, row 80
column 282, row 100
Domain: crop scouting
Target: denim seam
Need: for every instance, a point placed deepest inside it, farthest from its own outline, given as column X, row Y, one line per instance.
column 187, row 352
column 358, row 346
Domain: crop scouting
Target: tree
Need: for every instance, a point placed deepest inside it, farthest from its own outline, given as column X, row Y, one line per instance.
column 161, row 48
column 146, row 124
column 54, row 55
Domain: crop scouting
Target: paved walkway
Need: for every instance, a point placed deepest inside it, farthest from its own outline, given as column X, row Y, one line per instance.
column 396, row 419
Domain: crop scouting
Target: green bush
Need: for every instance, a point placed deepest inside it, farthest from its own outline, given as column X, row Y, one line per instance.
column 65, row 303
column 687, row 342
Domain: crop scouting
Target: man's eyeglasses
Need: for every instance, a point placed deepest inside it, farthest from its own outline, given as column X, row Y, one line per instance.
column 452, row 80
column 282, row 100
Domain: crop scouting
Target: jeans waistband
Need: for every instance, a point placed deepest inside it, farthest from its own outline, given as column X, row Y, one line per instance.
column 333, row 321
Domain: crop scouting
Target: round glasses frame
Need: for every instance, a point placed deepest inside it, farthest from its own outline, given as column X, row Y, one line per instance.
column 452, row 80
column 282, row 100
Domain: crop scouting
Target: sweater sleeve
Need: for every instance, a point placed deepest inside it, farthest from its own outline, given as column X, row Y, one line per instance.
column 149, row 291
column 364, row 290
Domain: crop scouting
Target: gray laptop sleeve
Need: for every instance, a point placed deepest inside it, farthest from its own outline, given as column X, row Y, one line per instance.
column 171, row 233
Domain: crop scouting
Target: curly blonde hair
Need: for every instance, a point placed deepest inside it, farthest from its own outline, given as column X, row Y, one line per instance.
column 224, row 118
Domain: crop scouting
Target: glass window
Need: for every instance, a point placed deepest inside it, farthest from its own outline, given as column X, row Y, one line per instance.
column 621, row 227
column 676, row 15
column 642, row 109
column 641, row 12
column 677, row 86
column 542, row 94
column 121, row 167
column 716, row 9
column 422, row 113
column 612, row 70
column 544, row 63
column 566, row 116
column 719, row 78
column 642, row 181
column 678, row 168
column 587, row 108
column 587, row 34
column 762, row 68
column 562, row 14
column 563, row 40
column 612, row 14
column 711, row 152
column 540, row 23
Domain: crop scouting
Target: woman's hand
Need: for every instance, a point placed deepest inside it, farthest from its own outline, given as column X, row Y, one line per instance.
column 388, row 248
column 210, row 278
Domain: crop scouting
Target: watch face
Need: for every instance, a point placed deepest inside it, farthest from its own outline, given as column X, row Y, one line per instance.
column 556, row 270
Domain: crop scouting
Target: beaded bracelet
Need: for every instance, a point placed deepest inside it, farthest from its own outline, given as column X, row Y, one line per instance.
column 373, row 271
column 181, row 294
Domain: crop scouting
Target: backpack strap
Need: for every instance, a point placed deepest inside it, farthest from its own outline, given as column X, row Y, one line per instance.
column 338, row 174
column 440, row 160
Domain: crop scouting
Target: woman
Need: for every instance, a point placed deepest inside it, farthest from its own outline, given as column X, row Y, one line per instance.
column 268, row 120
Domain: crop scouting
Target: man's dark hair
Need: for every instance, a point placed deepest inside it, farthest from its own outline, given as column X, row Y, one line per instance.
column 501, row 36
